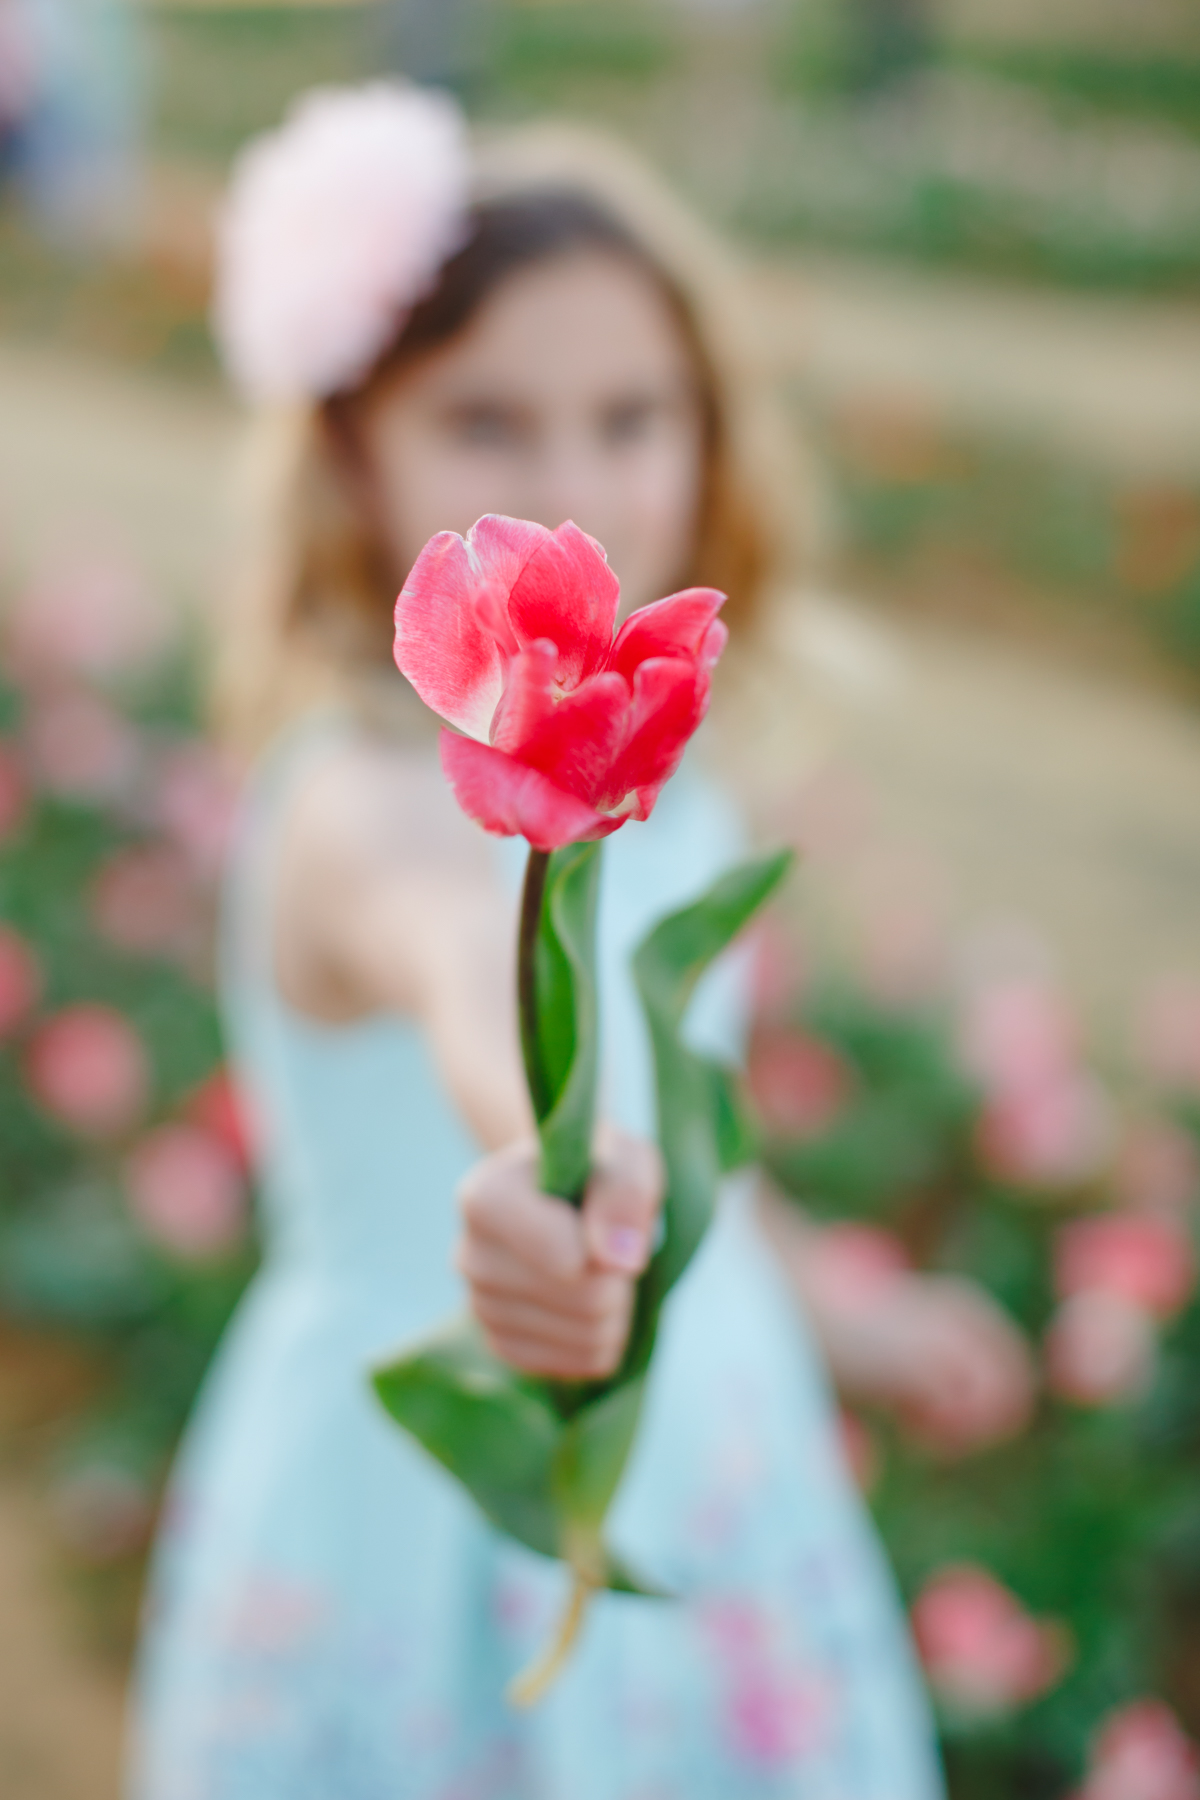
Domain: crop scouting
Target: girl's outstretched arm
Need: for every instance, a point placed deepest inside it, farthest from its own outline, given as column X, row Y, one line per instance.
column 388, row 900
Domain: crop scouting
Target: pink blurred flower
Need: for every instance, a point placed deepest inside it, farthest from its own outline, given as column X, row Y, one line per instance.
column 13, row 794
column 1017, row 1035
column 185, row 1190
column 855, row 1264
column 102, row 1511
column 89, row 614
column 87, row 1067
column 1168, row 1034
column 1158, row 1168
column 984, row 1654
column 1054, row 1135
column 20, row 980
column 800, row 1084
column 195, row 803
column 1140, row 1753
column 144, row 899
column 1137, row 1257
column 80, row 746
column 1100, row 1350
column 219, row 1107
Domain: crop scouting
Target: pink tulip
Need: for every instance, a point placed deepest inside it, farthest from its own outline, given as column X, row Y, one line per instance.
column 12, row 792
column 567, row 731
column 20, row 980
column 1053, row 1135
column 1100, row 1350
column 144, row 900
column 856, row 1264
column 1140, row 1753
column 80, row 747
column 196, row 803
column 800, row 1084
column 1144, row 1259
column 984, row 1654
column 1017, row 1035
column 219, row 1108
column 185, row 1190
column 86, row 1066
column 1158, row 1169
column 1168, row 1035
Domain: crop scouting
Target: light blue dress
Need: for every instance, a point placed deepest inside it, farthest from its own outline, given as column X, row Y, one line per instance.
column 330, row 1618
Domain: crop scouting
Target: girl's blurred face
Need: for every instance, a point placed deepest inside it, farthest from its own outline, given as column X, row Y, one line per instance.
column 570, row 395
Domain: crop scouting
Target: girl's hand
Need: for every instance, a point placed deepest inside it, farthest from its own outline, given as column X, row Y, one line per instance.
column 551, row 1285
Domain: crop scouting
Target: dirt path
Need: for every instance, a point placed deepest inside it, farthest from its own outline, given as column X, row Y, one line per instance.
column 60, row 1707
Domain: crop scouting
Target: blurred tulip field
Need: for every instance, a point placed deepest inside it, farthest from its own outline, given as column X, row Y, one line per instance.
column 935, row 1102
column 123, row 1188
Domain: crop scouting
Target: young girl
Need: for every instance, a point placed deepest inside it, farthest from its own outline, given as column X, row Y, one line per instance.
column 531, row 329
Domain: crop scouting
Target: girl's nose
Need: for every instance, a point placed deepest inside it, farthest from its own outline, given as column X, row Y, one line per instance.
column 567, row 481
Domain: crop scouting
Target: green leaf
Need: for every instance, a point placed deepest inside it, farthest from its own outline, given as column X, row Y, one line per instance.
column 493, row 1429
column 699, row 1130
column 588, row 1467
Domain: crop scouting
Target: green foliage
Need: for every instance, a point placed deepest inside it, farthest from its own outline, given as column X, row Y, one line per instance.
column 543, row 1460
column 540, row 47
column 1145, row 84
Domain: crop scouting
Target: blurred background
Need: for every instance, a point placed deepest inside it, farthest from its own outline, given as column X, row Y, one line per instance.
column 974, row 228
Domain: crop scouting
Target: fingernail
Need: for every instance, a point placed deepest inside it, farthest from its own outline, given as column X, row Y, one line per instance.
column 625, row 1247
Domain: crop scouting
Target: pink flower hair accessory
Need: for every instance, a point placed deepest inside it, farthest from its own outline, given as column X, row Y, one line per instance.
column 334, row 226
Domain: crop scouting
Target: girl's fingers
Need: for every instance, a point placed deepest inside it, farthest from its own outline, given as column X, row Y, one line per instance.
column 620, row 1211
column 537, row 1356
column 596, row 1343
column 585, row 1305
column 501, row 1205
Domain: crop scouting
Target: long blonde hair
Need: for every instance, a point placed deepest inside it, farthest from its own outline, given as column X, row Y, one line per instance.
column 309, row 617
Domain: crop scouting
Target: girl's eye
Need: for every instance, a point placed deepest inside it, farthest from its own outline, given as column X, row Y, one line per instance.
column 488, row 427
column 629, row 422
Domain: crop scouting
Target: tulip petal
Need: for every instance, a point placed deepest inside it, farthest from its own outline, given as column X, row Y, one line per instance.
column 513, row 800
column 670, row 697
column 677, row 626
column 577, row 740
column 450, row 656
column 566, row 592
column 528, row 696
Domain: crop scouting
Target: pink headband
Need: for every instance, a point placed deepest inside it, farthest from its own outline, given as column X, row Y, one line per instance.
column 333, row 227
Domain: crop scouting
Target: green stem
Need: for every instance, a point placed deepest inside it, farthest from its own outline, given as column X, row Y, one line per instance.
column 533, row 897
